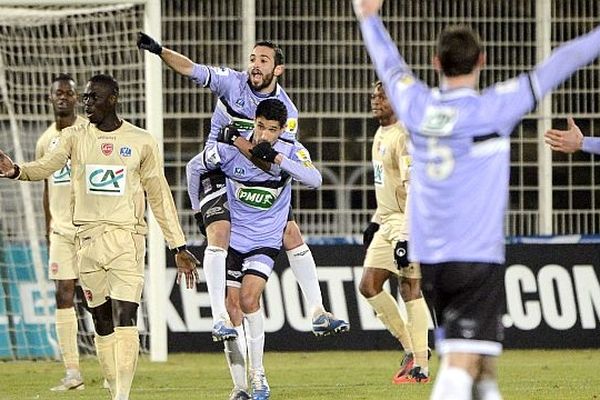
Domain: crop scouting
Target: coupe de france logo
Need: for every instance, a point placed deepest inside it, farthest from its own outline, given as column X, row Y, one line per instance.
column 105, row 180
column 107, row 149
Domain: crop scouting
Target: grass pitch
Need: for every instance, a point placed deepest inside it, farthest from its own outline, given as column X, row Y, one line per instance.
column 524, row 374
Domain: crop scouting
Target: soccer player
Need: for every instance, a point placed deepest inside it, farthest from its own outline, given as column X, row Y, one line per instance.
column 115, row 168
column 571, row 140
column 386, row 240
column 259, row 199
column 459, row 186
column 60, row 230
column 238, row 96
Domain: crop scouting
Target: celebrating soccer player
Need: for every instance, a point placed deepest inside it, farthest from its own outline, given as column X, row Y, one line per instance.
column 386, row 239
column 115, row 167
column 62, row 262
column 238, row 96
column 262, row 200
column 459, row 185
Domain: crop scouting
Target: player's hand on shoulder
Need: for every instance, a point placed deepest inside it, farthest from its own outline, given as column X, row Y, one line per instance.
column 228, row 135
column 369, row 233
column 401, row 254
column 264, row 151
column 187, row 266
column 146, row 42
column 8, row 169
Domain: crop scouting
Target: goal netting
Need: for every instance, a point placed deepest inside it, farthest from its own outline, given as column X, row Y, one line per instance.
column 36, row 44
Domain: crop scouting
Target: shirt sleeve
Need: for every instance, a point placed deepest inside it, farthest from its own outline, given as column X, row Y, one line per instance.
column 220, row 80
column 159, row 195
column 300, row 167
column 591, row 145
column 52, row 161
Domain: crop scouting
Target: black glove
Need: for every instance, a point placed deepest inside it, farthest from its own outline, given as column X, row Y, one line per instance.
column 200, row 222
column 264, row 151
column 228, row 135
column 145, row 42
column 369, row 233
column 401, row 254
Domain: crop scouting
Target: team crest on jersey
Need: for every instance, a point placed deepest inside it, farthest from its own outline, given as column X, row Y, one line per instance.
column 107, row 148
column 240, row 102
column 222, row 71
column 238, row 171
column 105, row 180
column 125, row 151
column 378, row 176
column 292, row 125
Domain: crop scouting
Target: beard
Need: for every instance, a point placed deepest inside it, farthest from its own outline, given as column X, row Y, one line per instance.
column 267, row 79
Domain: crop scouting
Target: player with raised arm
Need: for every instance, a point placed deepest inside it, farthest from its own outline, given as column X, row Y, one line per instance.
column 60, row 231
column 386, row 240
column 238, row 96
column 459, row 186
column 571, row 140
column 115, row 168
column 261, row 199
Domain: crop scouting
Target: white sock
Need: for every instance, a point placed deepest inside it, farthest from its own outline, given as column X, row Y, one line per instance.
column 452, row 384
column 214, row 273
column 487, row 389
column 235, row 353
column 255, row 338
column 305, row 270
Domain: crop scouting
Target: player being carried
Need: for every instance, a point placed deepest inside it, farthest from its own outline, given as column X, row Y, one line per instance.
column 62, row 262
column 238, row 96
column 115, row 168
column 260, row 199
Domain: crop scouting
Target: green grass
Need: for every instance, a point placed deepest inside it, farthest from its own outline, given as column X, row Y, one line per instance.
column 316, row 376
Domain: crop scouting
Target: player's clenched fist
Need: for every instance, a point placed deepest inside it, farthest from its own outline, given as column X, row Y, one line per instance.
column 264, row 151
column 228, row 135
column 366, row 8
column 145, row 42
column 187, row 266
column 8, row 169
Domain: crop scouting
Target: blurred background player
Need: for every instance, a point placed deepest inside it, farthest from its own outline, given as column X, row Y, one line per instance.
column 386, row 242
column 459, row 186
column 116, row 167
column 238, row 96
column 261, row 200
column 62, row 262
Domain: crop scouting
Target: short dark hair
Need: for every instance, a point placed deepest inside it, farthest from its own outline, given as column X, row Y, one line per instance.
column 108, row 81
column 458, row 49
column 279, row 57
column 272, row 110
column 63, row 78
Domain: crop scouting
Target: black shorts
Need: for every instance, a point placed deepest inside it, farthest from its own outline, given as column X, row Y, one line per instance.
column 468, row 301
column 235, row 261
column 213, row 198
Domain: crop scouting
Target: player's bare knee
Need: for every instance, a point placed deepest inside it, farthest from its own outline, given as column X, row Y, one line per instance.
column 217, row 234
column 103, row 318
column 124, row 313
column 367, row 288
column 292, row 237
column 249, row 303
column 65, row 293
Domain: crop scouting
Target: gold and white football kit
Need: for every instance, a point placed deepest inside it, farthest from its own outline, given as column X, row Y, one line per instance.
column 112, row 175
column 61, row 258
column 391, row 163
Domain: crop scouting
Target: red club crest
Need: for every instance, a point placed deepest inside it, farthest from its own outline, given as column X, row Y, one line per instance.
column 54, row 268
column 88, row 294
column 107, row 148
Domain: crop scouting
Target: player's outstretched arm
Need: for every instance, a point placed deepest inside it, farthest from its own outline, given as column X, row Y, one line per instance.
column 176, row 61
column 187, row 267
column 300, row 166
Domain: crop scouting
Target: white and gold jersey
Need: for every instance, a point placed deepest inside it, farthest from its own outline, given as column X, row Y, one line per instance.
column 59, row 183
column 112, row 174
column 391, row 163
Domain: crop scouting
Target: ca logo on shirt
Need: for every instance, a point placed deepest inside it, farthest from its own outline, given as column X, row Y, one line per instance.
column 105, row 180
column 63, row 175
